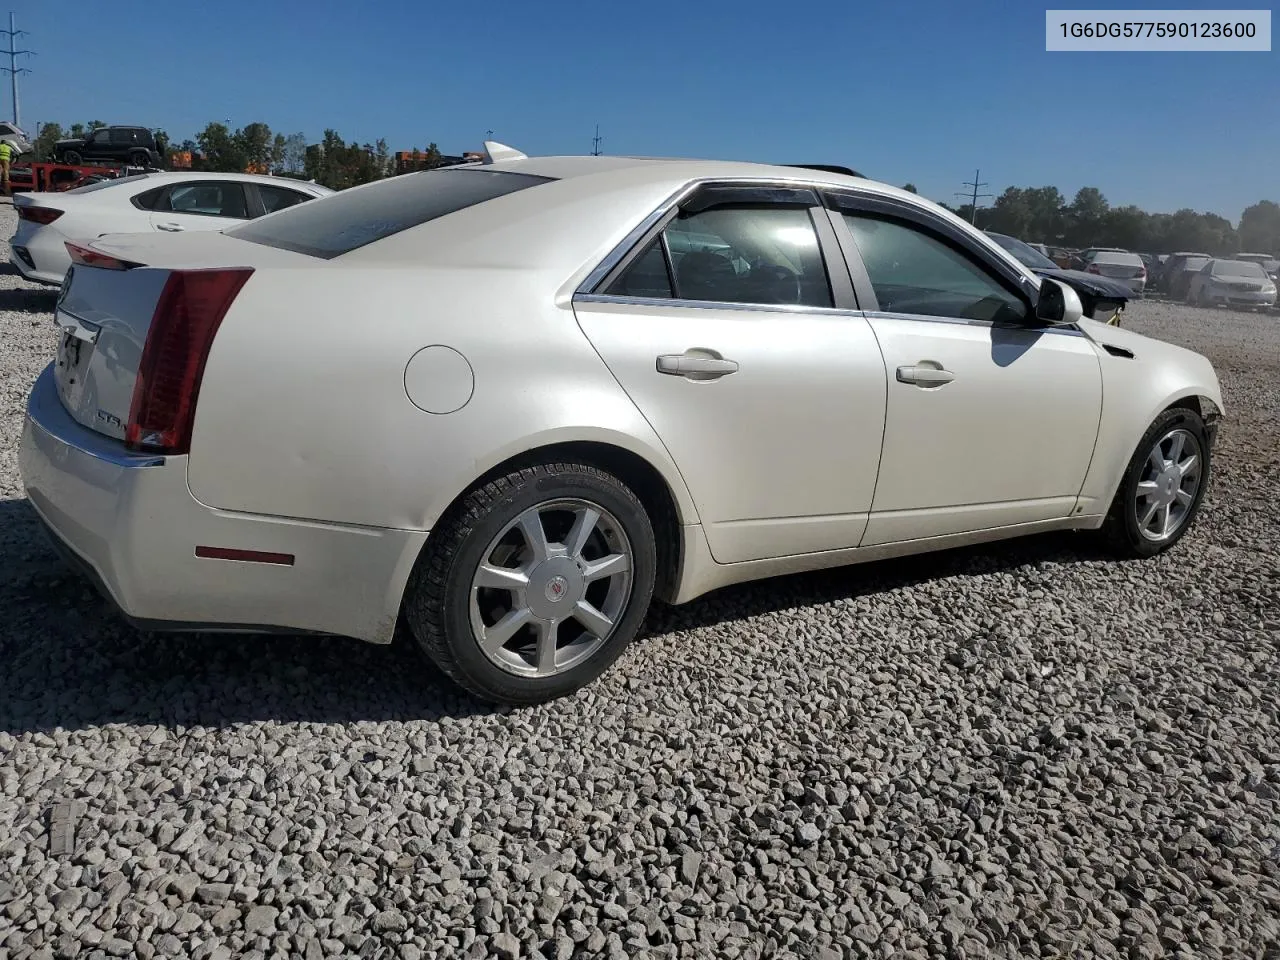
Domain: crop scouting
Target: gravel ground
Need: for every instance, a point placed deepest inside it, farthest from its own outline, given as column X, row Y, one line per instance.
column 1021, row 751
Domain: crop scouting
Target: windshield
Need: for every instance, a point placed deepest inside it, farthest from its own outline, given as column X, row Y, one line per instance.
column 1237, row 268
column 354, row 218
column 1025, row 253
column 103, row 184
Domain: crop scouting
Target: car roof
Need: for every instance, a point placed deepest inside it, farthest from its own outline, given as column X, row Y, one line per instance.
column 596, row 201
column 681, row 168
column 178, row 176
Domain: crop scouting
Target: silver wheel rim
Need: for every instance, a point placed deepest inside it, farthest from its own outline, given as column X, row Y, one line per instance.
column 551, row 588
column 1168, row 486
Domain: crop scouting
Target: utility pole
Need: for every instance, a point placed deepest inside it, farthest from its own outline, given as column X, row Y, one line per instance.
column 13, row 69
column 595, row 142
column 973, row 197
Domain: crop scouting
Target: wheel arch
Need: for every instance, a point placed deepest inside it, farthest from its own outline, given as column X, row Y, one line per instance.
column 659, row 487
column 1123, row 443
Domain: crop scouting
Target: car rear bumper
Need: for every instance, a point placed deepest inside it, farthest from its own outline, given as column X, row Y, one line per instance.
column 1241, row 299
column 40, row 255
column 129, row 521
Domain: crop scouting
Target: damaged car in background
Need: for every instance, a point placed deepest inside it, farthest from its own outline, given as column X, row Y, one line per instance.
column 1102, row 298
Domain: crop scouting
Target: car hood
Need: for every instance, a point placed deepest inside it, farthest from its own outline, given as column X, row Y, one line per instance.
column 1091, row 284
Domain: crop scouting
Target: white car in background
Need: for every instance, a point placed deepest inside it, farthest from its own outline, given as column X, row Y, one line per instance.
column 507, row 403
column 165, row 202
column 1232, row 283
column 1120, row 265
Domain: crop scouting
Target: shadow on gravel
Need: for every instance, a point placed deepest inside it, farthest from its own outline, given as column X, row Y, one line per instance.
column 743, row 601
column 68, row 660
column 28, row 300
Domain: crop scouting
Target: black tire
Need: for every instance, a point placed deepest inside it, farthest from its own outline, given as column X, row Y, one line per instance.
column 1121, row 528
column 438, row 600
column 72, row 158
column 140, row 158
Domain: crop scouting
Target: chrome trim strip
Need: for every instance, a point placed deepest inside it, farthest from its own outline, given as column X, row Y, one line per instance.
column 628, row 243
column 74, row 434
column 712, row 305
column 1069, row 331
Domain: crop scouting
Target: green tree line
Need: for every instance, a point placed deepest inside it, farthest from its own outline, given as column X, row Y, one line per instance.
column 333, row 161
column 1035, row 214
column 1043, row 215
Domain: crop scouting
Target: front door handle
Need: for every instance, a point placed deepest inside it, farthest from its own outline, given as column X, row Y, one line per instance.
column 696, row 367
column 170, row 227
column 925, row 376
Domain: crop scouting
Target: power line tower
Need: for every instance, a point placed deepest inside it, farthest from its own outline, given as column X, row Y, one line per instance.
column 13, row 69
column 595, row 142
column 975, row 183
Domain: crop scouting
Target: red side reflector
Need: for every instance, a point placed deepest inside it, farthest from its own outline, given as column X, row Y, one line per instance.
column 247, row 556
column 43, row 215
column 92, row 258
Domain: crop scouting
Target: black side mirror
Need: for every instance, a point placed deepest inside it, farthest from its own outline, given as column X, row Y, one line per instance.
column 1051, row 306
column 1057, row 304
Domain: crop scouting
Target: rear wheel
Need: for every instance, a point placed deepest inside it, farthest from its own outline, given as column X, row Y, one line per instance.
column 140, row 158
column 535, row 583
column 72, row 158
column 1163, row 486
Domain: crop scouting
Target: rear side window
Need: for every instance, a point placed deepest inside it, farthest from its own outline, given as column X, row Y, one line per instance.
column 149, row 199
column 277, row 198
column 355, row 218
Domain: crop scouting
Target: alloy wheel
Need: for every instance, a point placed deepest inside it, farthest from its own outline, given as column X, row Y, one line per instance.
column 1169, row 484
column 551, row 587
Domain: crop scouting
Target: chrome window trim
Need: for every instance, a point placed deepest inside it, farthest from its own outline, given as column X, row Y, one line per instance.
column 1069, row 330
column 714, row 305
column 638, row 237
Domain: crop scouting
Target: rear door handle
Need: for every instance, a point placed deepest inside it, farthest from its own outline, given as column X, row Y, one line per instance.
column 923, row 376
column 699, row 368
column 170, row 227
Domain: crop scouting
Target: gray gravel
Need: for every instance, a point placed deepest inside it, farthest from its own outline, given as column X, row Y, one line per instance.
column 1021, row 751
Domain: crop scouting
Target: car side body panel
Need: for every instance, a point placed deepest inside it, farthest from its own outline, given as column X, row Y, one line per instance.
column 302, row 442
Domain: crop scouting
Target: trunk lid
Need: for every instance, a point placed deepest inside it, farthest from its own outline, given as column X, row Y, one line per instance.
column 105, row 314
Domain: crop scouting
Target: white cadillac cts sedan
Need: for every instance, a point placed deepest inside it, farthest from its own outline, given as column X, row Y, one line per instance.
column 508, row 403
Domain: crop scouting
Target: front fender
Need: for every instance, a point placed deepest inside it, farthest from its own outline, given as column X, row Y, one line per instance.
column 1141, row 377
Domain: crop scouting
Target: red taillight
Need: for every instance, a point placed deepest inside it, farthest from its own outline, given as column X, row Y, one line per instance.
column 191, row 307
column 41, row 215
column 1142, row 273
column 92, row 258
column 1092, row 268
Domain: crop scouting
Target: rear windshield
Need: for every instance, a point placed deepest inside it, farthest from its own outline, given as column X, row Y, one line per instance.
column 103, row 184
column 345, row 221
column 1237, row 268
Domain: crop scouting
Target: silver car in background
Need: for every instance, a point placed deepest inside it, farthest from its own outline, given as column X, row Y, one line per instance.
column 1120, row 265
column 1234, row 283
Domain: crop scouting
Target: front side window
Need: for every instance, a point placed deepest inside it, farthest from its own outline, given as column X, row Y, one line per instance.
column 215, row 198
column 765, row 255
column 912, row 271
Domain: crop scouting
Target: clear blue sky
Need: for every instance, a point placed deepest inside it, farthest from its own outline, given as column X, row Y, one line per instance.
column 904, row 91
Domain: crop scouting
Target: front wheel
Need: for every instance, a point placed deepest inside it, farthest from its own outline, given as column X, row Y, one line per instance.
column 535, row 583
column 71, row 158
column 1163, row 486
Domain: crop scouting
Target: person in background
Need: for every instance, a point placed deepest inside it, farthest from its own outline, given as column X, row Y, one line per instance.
column 6, row 155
